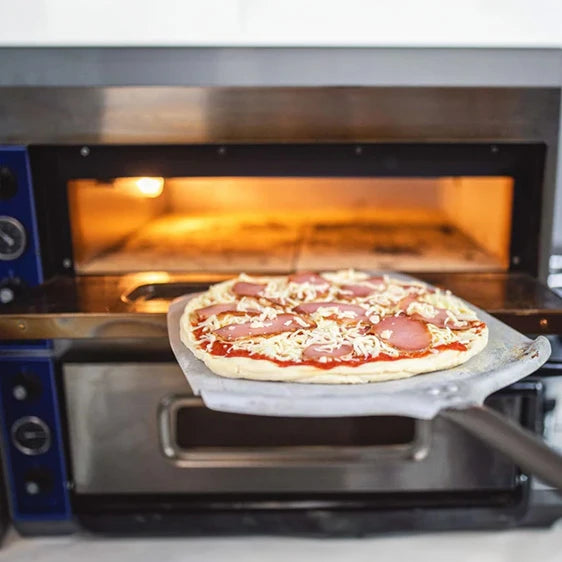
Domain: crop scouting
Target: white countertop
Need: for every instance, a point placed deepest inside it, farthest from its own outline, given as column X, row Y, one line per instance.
column 521, row 545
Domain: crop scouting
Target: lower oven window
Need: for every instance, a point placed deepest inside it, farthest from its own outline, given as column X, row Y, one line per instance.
column 258, row 224
column 199, row 428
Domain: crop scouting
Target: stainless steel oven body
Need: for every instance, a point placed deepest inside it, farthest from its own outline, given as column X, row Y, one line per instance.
column 100, row 429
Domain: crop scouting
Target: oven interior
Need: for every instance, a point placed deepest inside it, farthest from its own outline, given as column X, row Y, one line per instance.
column 280, row 224
column 267, row 208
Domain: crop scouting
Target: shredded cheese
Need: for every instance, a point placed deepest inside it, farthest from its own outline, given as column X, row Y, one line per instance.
column 326, row 331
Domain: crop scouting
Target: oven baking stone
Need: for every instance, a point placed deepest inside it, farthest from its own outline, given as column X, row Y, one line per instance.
column 508, row 357
column 265, row 244
column 410, row 247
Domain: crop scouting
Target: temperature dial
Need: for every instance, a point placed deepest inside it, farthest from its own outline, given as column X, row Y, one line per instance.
column 12, row 238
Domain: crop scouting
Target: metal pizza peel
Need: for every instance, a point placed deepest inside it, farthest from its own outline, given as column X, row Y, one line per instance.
column 457, row 394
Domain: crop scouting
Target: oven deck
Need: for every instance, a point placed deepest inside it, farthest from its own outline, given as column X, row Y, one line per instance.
column 231, row 243
column 135, row 305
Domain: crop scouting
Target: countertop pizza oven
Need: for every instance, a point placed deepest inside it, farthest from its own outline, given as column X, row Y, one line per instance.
column 117, row 200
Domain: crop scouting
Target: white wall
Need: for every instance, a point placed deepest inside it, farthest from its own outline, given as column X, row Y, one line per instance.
column 496, row 23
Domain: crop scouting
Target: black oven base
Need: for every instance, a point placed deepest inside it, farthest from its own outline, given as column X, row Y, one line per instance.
column 338, row 518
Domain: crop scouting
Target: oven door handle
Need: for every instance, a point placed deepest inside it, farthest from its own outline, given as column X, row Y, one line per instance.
column 416, row 450
column 519, row 444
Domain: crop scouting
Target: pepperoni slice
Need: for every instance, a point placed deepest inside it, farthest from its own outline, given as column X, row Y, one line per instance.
column 442, row 320
column 317, row 351
column 403, row 333
column 222, row 308
column 310, row 307
column 417, row 288
column 404, row 303
column 307, row 277
column 245, row 289
column 357, row 290
column 279, row 324
column 208, row 311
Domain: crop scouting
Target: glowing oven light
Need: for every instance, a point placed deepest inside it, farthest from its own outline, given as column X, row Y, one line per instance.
column 150, row 187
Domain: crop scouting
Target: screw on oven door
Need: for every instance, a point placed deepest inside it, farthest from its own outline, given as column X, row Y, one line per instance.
column 84, row 151
column 67, row 263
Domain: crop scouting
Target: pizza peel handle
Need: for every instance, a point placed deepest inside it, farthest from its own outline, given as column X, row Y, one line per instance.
column 517, row 443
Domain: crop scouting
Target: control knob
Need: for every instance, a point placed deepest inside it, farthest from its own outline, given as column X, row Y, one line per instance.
column 31, row 435
column 13, row 238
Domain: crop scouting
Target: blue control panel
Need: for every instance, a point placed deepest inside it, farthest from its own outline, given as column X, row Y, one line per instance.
column 32, row 440
column 32, row 445
column 20, row 260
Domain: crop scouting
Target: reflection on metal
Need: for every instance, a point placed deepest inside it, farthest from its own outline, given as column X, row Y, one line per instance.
column 135, row 305
column 517, row 443
column 245, row 114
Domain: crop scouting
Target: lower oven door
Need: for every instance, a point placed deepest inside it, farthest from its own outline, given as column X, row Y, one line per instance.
column 136, row 428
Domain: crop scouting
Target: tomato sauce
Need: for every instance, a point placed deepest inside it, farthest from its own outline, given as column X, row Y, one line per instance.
column 225, row 349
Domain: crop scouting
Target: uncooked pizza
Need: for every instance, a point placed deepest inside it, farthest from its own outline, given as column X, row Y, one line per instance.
column 333, row 327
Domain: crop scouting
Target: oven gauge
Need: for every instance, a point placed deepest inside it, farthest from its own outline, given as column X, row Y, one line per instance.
column 12, row 238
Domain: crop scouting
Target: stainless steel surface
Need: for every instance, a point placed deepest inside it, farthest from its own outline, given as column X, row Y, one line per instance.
column 289, row 66
column 508, row 357
column 519, row 444
column 115, row 446
column 285, row 455
column 144, row 115
column 135, row 306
